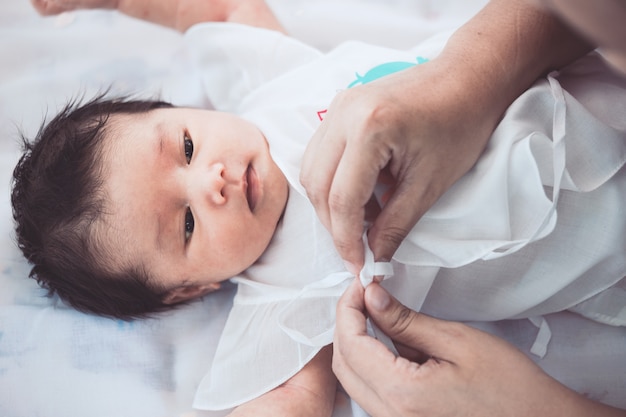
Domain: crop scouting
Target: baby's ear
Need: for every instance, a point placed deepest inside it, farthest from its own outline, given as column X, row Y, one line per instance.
column 189, row 292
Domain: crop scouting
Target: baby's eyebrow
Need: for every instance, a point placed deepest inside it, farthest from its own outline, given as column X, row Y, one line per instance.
column 161, row 134
column 167, row 240
column 159, row 232
column 160, row 145
column 165, row 213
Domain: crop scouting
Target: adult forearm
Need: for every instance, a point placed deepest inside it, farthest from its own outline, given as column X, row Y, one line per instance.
column 506, row 47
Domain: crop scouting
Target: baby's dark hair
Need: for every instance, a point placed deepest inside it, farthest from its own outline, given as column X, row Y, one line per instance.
column 57, row 198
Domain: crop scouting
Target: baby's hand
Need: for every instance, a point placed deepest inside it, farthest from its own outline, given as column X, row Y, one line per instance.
column 51, row 7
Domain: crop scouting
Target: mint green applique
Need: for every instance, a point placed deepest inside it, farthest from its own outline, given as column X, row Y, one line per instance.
column 382, row 70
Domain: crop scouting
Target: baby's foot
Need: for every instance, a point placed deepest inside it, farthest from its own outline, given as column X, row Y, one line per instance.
column 50, row 7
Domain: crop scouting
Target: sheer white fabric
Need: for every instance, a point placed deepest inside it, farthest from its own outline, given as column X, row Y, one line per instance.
column 552, row 175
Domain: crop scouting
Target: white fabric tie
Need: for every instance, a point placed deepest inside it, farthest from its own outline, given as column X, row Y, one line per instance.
column 372, row 268
column 324, row 332
column 540, row 346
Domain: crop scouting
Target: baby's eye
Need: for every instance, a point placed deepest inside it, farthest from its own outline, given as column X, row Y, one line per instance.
column 188, row 144
column 189, row 224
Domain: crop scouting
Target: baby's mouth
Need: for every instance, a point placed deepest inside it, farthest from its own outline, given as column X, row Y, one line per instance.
column 252, row 188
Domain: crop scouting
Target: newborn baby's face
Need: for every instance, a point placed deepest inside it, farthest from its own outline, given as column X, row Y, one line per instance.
column 193, row 195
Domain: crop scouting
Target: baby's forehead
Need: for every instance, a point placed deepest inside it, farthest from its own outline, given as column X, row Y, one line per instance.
column 122, row 129
column 131, row 181
column 146, row 125
column 118, row 123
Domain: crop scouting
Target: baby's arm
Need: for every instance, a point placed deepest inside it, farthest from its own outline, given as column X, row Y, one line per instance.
column 309, row 393
column 176, row 14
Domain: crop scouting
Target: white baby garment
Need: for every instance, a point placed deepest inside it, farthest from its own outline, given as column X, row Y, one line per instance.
column 535, row 227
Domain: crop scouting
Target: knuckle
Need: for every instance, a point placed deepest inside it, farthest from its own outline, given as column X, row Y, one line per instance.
column 376, row 114
column 304, row 176
column 339, row 203
column 315, row 192
column 368, row 110
column 341, row 96
column 346, row 247
column 343, row 247
column 392, row 236
column 337, row 366
column 373, row 122
column 402, row 321
column 307, row 176
column 381, row 115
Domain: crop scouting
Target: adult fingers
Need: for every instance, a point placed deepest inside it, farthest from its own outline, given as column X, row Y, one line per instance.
column 381, row 383
column 351, row 338
column 412, row 195
column 433, row 337
column 351, row 190
column 339, row 172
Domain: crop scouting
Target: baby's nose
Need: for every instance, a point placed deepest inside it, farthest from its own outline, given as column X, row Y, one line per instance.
column 215, row 184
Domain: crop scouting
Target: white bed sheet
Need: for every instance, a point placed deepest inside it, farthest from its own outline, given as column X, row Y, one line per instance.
column 57, row 362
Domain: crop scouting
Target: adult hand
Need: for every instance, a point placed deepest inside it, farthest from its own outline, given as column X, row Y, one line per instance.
column 467, row 372
column 424, row 127
column 416, row 129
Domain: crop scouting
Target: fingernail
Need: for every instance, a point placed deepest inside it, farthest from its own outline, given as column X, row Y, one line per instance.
column 379, row 298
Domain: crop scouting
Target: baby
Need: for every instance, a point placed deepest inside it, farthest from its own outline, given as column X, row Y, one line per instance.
column 119, row 201
column 128, row 207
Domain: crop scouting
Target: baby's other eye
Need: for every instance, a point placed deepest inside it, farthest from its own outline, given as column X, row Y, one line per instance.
column 189, row 224
column 188, row 144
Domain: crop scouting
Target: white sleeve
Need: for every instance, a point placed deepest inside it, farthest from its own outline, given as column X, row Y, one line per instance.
column 233, row 59
column 559, row 135
column 270, row 334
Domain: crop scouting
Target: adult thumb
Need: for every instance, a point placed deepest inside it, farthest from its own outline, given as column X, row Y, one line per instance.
column 414, row 330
